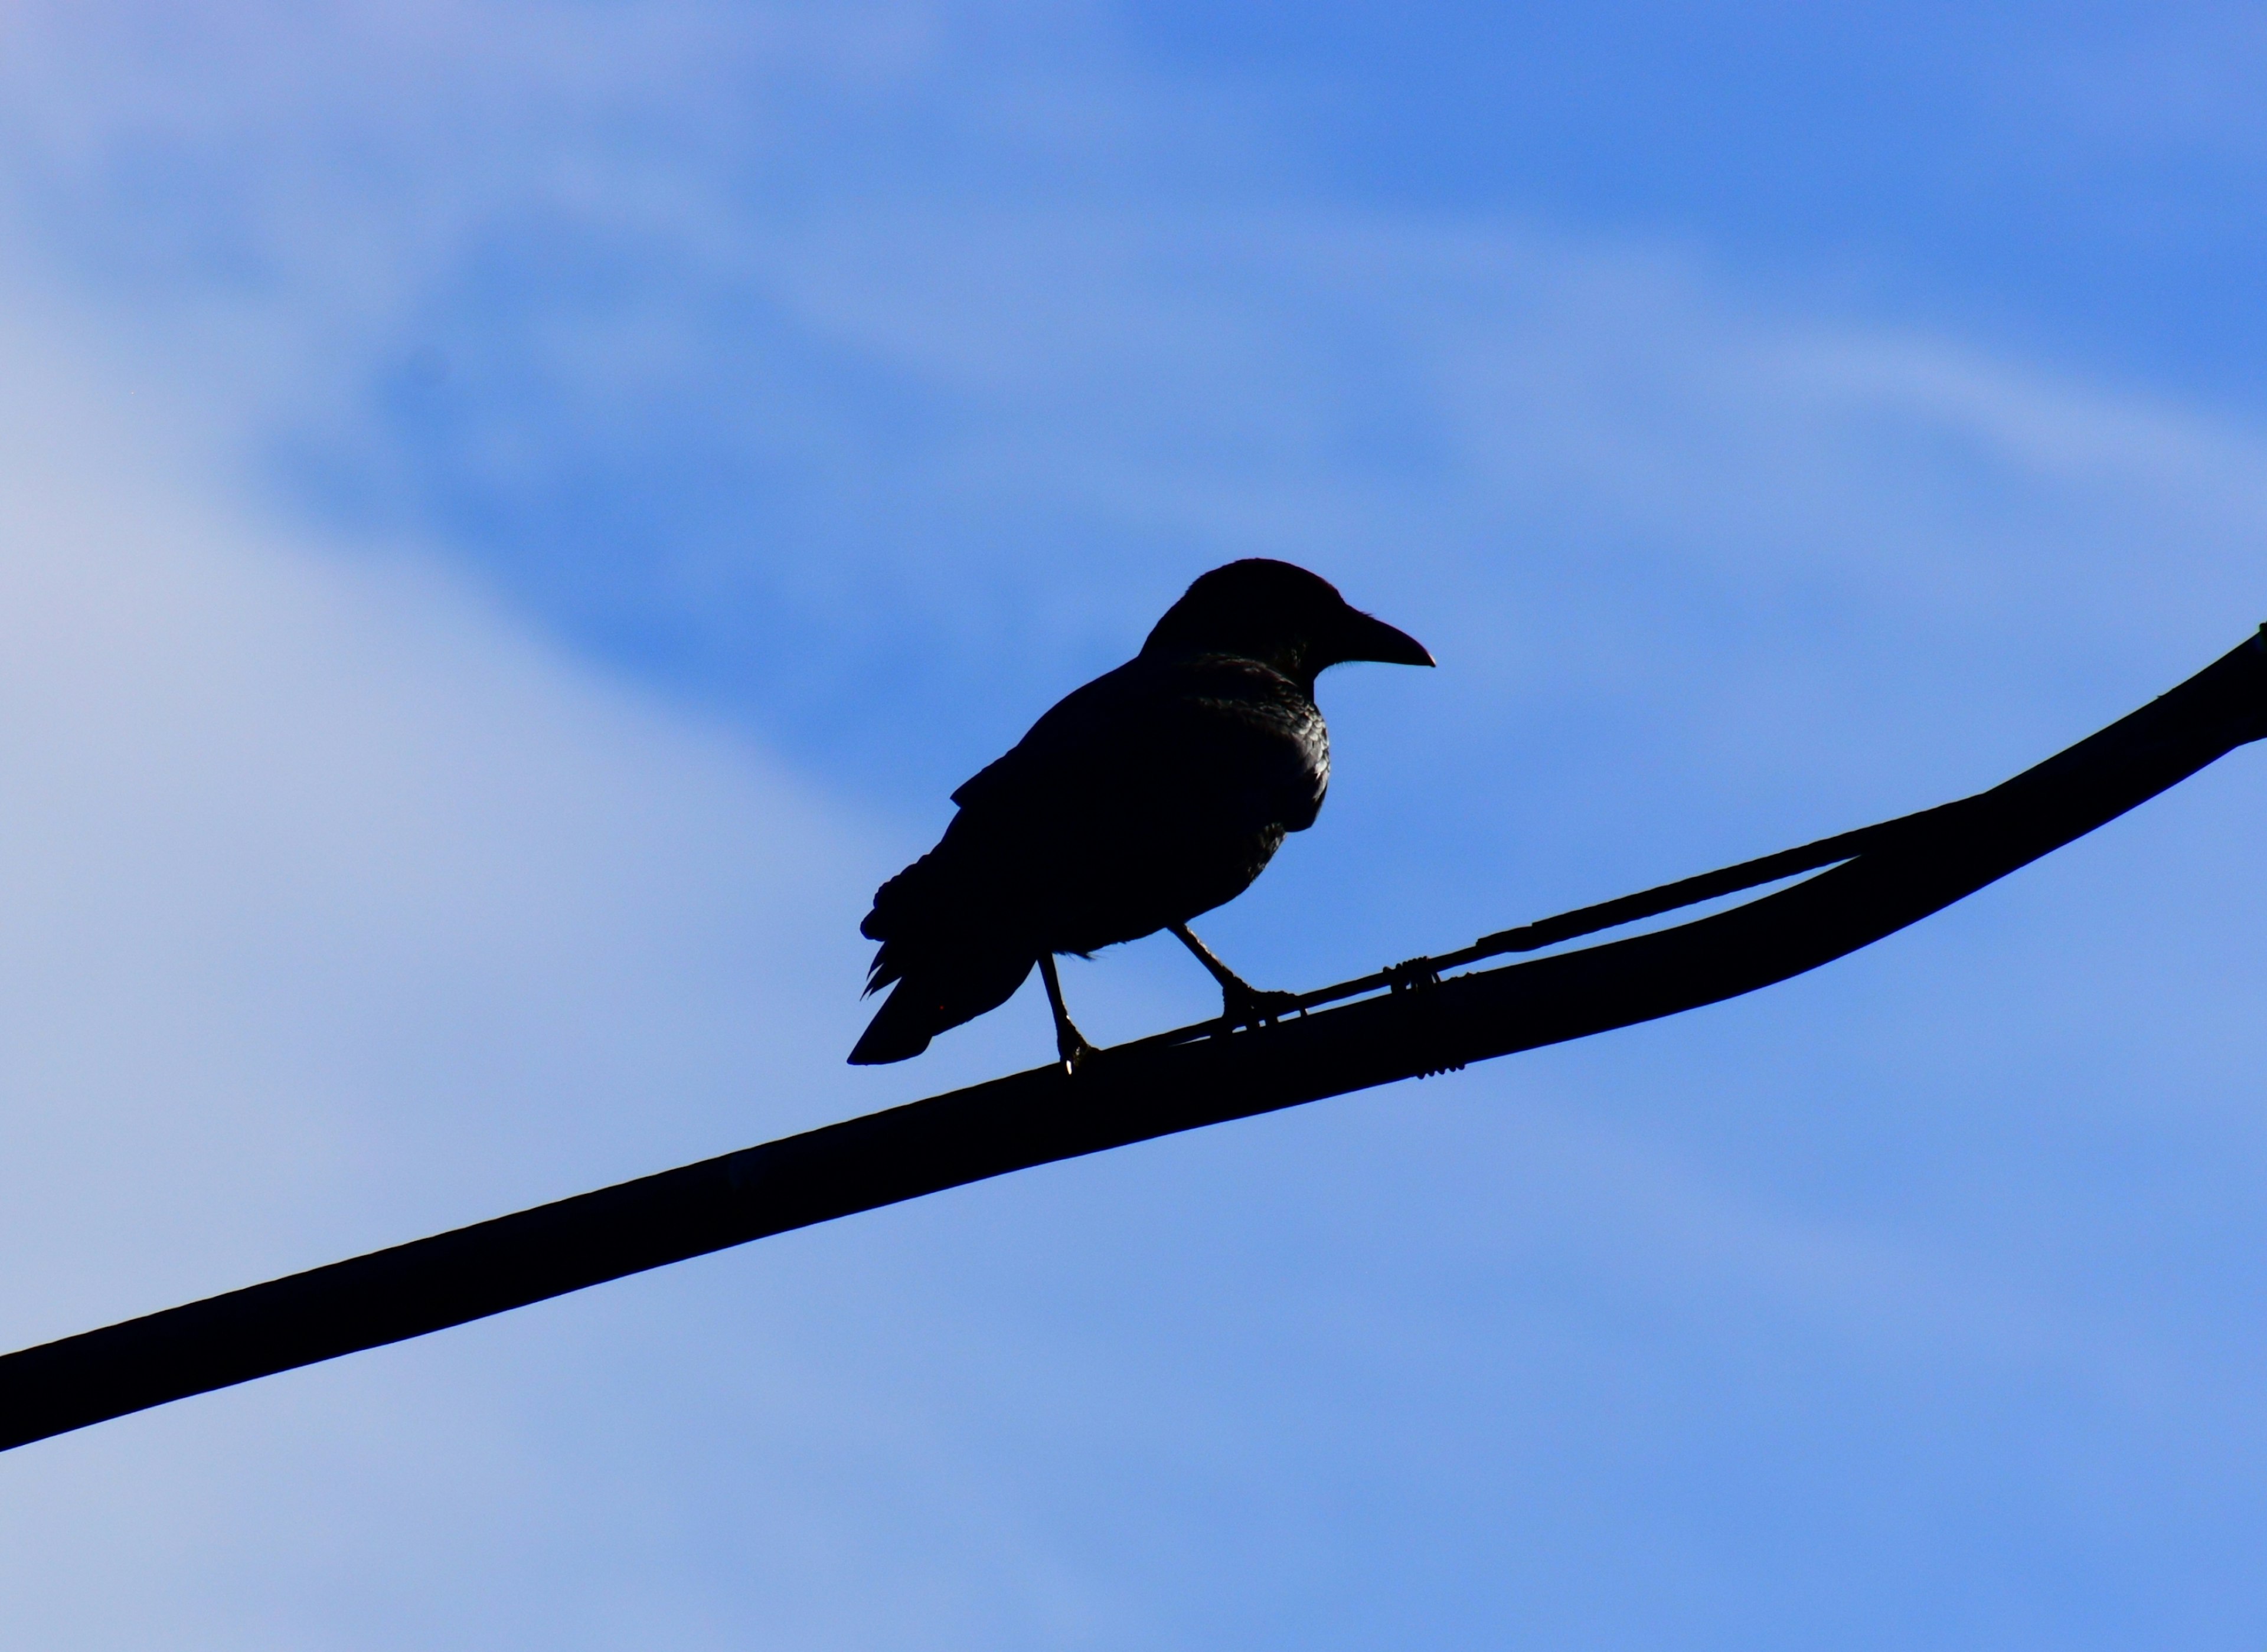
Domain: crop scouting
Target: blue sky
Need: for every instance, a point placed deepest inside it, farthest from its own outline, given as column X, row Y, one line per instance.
column 513, row 519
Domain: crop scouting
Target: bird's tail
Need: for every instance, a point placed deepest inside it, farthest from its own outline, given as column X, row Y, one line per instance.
column 945, row 948
column 930, row 997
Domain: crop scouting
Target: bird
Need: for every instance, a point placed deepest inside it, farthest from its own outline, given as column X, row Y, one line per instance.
column 1151, row 795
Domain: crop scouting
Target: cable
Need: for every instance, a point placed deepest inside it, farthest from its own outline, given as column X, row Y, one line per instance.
column 1880, row 880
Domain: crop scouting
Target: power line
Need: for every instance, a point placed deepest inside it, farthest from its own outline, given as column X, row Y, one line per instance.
column 1406, row 1022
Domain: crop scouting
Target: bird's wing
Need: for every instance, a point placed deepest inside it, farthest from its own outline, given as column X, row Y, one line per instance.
column 1156, row 791
column 1060, row 742
column 1223, row 743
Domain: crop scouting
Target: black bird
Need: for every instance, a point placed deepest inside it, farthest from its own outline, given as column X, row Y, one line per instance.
column 1156, row 792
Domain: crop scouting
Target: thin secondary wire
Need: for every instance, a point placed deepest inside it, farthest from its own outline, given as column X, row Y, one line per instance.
column 1588, row 920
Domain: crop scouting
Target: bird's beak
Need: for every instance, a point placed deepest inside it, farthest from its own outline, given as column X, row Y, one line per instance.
column 1364, row 637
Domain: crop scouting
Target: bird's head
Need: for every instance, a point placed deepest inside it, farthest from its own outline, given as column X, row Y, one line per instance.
column 1283, row 617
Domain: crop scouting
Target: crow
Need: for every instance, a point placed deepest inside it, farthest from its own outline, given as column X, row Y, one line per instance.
column 1158, row 791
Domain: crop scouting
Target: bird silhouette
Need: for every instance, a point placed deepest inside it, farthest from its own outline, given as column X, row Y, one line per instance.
column 1155, row 793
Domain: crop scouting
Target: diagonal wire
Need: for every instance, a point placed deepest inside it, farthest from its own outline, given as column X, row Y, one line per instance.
column 1882, row 878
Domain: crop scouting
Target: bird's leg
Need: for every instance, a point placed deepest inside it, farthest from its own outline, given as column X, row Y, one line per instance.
column 1068, row 1044
column 1241, row 1004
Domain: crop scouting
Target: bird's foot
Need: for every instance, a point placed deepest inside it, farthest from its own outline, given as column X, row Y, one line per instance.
column 1244, row 1006
column 1072, row 1048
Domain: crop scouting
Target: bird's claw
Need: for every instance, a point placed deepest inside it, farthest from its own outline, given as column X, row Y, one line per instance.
column 1251, row 1008
column 1074, row 1050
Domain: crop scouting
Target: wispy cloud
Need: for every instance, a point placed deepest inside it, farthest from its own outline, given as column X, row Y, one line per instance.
column 483, row 485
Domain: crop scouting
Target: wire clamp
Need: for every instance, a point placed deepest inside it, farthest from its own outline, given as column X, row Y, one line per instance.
column 1412, row 975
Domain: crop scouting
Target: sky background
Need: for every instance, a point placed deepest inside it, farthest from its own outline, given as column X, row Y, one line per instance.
column 514, row 518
